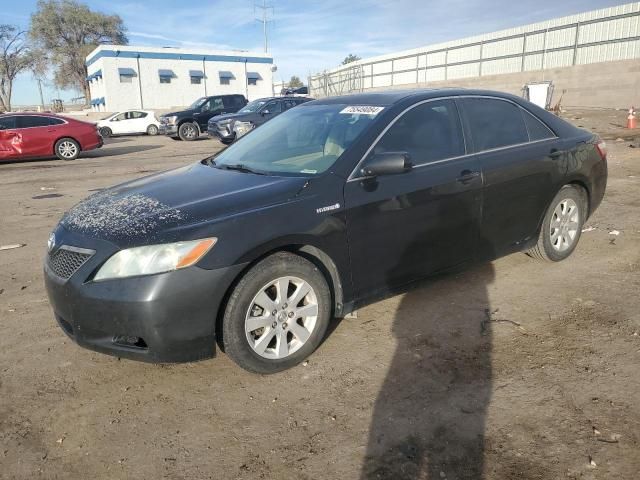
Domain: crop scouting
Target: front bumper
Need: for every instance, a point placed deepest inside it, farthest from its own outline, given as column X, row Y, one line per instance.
column 170, row 130
column 173, row 314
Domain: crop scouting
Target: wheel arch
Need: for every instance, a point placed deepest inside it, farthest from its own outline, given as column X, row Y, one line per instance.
column 315, row 255
column 188, row 120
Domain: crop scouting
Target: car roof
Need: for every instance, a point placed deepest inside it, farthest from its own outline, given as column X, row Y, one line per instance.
column 392, row 97
column 36, row 114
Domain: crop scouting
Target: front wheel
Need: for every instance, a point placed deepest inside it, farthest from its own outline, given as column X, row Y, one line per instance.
column 188, row 131
column 277, row 315
column 562, row 225
column 67, row 149
column 152, row 130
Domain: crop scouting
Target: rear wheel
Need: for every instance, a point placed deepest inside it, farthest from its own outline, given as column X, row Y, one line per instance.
column 277, row 315
column 67, row 149
column 152, row 130
column 105, row 132
column 562, row 225
column 188, row 131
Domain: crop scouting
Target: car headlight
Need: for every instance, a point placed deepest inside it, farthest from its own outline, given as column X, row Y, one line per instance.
column 154, row 259
column 242, row 128
column 171, row 120
column 224, row 123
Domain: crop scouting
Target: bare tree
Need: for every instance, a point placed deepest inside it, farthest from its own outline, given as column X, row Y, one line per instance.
column 69, row 31
column 15, row 57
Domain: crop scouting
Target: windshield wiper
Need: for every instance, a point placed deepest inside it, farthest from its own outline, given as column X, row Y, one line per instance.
column 240, row 168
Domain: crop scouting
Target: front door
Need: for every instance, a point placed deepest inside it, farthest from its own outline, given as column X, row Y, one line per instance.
column 405, row 226
column 211, row 108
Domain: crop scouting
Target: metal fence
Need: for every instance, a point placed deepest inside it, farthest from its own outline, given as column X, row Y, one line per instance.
column 598, row 36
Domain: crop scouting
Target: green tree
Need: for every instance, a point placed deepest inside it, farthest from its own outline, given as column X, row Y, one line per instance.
column 15, row 57
column 350, row 58
column 295, row 82
column 69, row 31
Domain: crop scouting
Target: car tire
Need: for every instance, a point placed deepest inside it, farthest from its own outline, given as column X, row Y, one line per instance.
column 152, row 130
column 562, row 225
column 105, row 132
column 188, row 131
column 67, row 149
column 275, row 344
column 228, row 141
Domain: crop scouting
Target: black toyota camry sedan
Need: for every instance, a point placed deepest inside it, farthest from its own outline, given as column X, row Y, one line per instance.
column 329, row 206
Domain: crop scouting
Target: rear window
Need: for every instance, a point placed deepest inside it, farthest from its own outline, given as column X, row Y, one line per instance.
column 30, row 122
column 537, row 129
column 494, row 123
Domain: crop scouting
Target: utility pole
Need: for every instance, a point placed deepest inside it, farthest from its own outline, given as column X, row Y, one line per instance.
column 264, row 20
column 41, row 96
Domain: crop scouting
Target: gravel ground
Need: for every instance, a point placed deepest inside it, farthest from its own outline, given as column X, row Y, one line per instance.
column 511, row 370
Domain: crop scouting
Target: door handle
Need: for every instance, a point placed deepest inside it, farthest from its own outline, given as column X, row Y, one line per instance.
column 555, row 153
column 467, row 176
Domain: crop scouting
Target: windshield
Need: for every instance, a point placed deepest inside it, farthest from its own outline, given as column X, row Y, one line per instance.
column 198, row 103
column 252, row 106
column 301, row 141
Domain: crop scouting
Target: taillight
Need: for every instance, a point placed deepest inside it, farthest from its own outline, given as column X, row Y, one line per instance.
column 601, row 146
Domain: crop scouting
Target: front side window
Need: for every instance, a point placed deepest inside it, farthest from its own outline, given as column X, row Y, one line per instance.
column 494, row 123
column 119, row 118
column 302, row 141
column 428, row 133
column 7, row 122
column 273, row 107
column 213, row 105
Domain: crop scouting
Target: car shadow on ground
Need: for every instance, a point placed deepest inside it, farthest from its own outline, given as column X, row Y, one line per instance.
column 429, row 418
column 115, row 151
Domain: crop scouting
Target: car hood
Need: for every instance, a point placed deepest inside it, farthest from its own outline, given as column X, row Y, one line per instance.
column 179, row 113
column 228, row 116
column 162, row 207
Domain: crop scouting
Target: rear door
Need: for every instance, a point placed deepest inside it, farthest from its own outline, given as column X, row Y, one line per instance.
column 138, row 122
column 521, row 169
column 37, row 135
column 405, row 226
column 233, row 103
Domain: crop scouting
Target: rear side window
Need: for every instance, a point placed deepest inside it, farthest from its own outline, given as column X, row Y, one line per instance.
column 135, row 115
column 234, row 101
column 30, row 122
column 537, row 129
column 494, row 123
column 7, row 122
column 428, row 133
column 55, row 121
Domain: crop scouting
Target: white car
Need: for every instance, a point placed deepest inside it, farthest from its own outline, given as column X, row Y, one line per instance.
column 129, row 122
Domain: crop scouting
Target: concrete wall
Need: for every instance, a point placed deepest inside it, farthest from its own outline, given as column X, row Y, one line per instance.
column 180, row 92
column 607, row 84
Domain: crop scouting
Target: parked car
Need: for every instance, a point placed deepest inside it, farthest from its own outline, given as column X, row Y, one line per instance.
column 129, row 123
column 328, row 207
column 256, row 112
column 34, row 135
column 190, row 123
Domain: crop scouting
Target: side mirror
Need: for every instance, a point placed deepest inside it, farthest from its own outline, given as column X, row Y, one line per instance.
column 388, row 163
column 265, row 112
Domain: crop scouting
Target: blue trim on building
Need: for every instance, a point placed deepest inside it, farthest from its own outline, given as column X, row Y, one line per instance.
column 176, row 56
column 97, row 74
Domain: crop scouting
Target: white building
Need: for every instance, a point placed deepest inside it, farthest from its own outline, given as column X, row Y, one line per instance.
column 125, row 77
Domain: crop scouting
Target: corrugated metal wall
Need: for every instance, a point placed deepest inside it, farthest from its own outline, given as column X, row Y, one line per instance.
column 597, row 36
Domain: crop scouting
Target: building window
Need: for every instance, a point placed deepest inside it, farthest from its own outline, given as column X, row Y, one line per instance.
column 253, row 77
column 166, row 75
column 196, row 80
column 225, row 81
column 252, row 81
column 164, row 79
column 126, row 78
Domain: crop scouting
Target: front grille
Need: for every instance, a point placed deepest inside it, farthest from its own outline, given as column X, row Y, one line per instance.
column 66, row 261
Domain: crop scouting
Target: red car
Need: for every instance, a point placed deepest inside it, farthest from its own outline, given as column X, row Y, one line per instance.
column 33, row 135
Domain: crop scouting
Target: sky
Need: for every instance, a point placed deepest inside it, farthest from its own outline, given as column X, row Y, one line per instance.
column 305, row 36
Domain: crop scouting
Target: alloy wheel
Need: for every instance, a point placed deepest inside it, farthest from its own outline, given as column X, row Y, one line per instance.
column 563, row 228
column 281, row 317
column 67, row 149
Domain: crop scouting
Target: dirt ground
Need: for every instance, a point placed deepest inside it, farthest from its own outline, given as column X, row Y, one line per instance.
column 511, row 370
